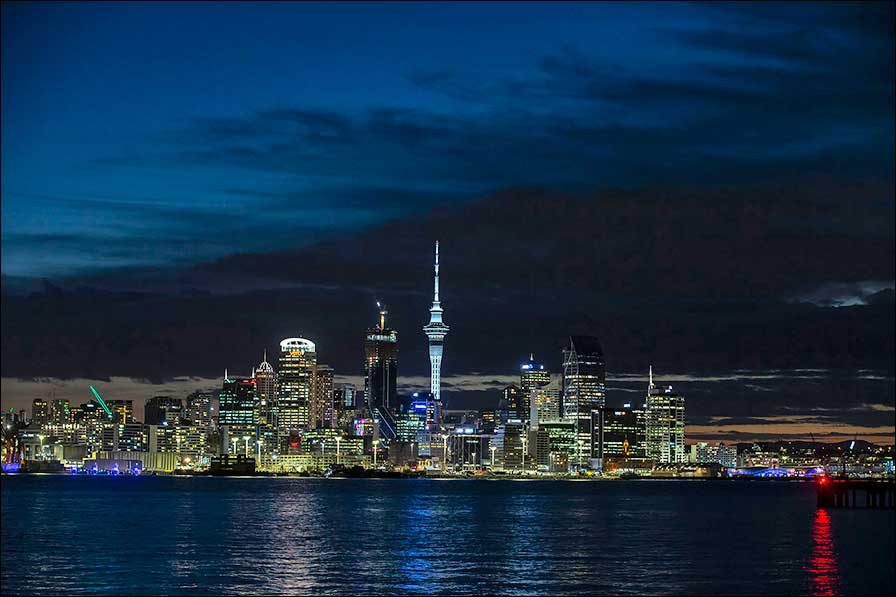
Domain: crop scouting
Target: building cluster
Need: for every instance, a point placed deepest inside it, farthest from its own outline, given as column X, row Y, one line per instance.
column 289, row 415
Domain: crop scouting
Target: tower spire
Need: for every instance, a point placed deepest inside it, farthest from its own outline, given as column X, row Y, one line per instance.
column 383, row 313
column 435, row 298
column 651, row 386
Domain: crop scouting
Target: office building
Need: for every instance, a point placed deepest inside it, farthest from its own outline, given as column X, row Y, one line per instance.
column 544, row 404
column 200, row 408
column 381, row 366
column 345, row 396
column 295, row 378
column 40, row 414
column 160, row 410
column 584, row 378
column 321, row 411
column 533, row 376
column 266, row 390
column 617, row 432
column 664, row 425
column 60, row 412
column 703, row 453
column 237, row 401
column 511, row 405
column 564, row 448
column 122, row 411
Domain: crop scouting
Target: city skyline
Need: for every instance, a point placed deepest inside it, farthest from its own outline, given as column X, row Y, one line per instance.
column 691, row 183
column 476, row 298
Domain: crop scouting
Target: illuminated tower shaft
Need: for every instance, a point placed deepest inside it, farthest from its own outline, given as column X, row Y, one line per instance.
column 435, row 330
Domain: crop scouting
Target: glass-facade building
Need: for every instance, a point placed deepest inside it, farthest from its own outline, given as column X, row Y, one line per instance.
column 533, row 376
column 584, row 387
column 381, row 367
column 295, row 378
column 617, row 432
column 665, row 426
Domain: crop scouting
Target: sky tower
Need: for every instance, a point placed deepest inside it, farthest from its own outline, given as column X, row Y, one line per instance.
column 435, row 330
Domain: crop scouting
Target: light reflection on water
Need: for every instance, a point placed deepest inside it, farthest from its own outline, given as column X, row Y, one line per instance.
column 823, row 565
column 77, row 535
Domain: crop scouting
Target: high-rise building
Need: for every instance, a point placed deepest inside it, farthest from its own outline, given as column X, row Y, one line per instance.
column 200, row 408
column 122, row 411
column 584, row 378
column 237, row 402
column 266, row 388
column 61, row 412
column 487, row 421
column 295, row 377
column 533, row 376
column 664, row 425
column 39, row 412
column 381, row 366
column 237, row 410
column 321, row 412
column 544, row 404
column 345, row 396
column 435, row 331
column 563, row 447
column 617, row 432
column 411, row 421
column 508, row 443
column 160, row 410
column 511, row 405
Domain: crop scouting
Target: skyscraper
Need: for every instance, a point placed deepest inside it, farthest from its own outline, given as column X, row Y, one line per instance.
column 584, row 376
column 617, row 432
column 236, row 414
column 39, row 412
column 381, row 366
column 237, row 402
column 665, row 425
column 511, row 404
column 435, row 330
column 321, row 409
column 295, row 373
column 60, row 414
column 200, row 408
column 533, row 376
column 265, row 387
column 122, row 410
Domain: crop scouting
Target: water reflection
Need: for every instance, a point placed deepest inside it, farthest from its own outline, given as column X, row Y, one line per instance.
column 823, row 565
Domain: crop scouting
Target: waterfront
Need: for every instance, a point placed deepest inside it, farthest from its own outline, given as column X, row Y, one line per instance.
column 199, row 535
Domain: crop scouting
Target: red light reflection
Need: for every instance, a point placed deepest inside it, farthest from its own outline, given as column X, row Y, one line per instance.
column 823, row 565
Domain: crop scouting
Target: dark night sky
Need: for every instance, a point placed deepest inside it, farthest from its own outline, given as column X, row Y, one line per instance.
column 707, row 187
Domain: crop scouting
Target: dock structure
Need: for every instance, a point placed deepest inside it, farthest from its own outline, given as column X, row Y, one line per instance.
column 875, row 494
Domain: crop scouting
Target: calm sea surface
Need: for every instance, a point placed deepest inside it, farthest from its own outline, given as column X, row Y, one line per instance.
column 201, row 535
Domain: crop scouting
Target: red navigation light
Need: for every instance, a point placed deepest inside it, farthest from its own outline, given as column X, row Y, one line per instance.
column 822, row 480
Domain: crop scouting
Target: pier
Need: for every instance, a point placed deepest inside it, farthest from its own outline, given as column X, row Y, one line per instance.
column 855, row 493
